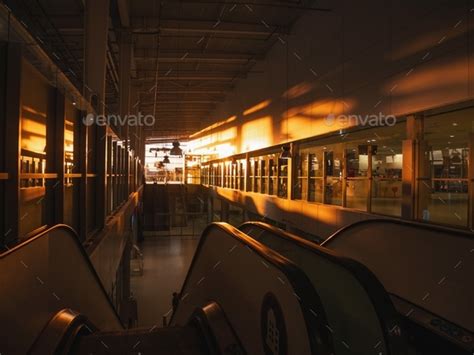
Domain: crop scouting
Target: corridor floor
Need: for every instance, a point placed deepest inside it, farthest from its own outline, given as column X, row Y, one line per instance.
column 166, row 263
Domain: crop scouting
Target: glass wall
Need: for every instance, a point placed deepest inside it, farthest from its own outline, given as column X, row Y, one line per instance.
column 71, row 167
column 283, row 165
column 193, row 169
column 387, row 167
column 363, row 169
column 333, row 160
column 443, row 186
column 35, row 93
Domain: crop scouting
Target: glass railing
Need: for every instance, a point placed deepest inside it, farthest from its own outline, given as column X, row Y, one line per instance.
column 40, row 277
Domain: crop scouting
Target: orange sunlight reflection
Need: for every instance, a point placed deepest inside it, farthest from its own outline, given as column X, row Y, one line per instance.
column 257, row 134
column 257, row 107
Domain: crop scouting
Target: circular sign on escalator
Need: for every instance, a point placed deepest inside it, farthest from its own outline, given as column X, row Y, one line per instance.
column 273, row 328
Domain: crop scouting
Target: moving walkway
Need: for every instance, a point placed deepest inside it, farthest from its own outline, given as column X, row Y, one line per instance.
column 426, row 272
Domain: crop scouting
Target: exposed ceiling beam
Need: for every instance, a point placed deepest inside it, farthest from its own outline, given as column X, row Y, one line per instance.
column 296, row 5
column 189, row 78
column 191, row 92
column 183, row 102
column 166, row 31
column 148, row 52
column 143, row 25
column 202, row 59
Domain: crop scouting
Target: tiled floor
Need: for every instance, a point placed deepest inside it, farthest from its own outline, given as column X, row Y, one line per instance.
column 166, row 263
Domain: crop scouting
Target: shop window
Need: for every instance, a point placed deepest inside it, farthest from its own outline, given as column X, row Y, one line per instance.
column 357, row 165
column 242, row 165
column 273, row 175
column 387, row 165
column 301, row 184
column 283, row 178
column 443, row 181
column 316, row 174
column 333, row 158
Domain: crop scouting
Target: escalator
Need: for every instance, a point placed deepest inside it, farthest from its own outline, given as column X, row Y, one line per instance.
column 410, row 261
column 239, row 298
column 257, row 290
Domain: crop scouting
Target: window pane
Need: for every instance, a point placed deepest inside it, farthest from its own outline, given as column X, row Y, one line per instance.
column 301, row 185
column 357, row 165
column 357, row 192
column 264, row 176
column 34, row 108
column 272, row 167
column 443, row 185
column 251, row 175
column 333, row 165
column 387, row 164
column 283, row 178
column 316, row 190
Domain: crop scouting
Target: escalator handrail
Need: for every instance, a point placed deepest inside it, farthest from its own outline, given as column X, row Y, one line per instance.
column 74, row 236
column 413, row 224
column 307, row 295
column 376, row 292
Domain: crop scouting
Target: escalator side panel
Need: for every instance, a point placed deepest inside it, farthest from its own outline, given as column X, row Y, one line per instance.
column 254, row 294
column 413, row 261
column 46, row 274
column 358, row 308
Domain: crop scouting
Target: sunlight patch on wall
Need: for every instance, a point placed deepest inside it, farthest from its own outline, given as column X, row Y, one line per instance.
column 257, row 107
column 257, row 134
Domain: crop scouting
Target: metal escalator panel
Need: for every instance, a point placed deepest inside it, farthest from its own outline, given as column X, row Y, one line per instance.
column 359, row 311
column 427, row 266
column 268, row 301
column 43, row 276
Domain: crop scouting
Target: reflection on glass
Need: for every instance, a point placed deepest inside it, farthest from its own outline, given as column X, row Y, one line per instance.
column 301, row 185
column 357, row 185
column 443, row 191
column 272, row 171
column 34, row 98
column 242, row 174
column 258, row 175
column 387, row 166
column 283, row 178
column 264, row 176
column 333, row 166
column 357, row 192
column 316, row 175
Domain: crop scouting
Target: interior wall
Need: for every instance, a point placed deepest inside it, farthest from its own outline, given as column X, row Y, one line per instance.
column 405, row 57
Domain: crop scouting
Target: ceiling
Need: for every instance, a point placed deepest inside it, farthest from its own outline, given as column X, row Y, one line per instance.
column 187, row 55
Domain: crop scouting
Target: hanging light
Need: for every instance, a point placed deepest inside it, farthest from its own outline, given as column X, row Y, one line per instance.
column 176, row 150
column 285, row 152
column 166, row 160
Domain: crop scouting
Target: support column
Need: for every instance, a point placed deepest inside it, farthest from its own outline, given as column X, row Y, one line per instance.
column 471, row 180
column 55, row 158
column 124, row 99
column 96, row 23
column 411, row 150
column 11, row 59
column 83, row 169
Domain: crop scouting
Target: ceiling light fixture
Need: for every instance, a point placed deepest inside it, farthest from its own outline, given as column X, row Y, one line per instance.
column 176, row 150
column 166, row 160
